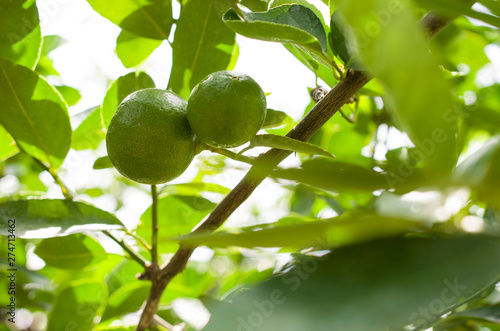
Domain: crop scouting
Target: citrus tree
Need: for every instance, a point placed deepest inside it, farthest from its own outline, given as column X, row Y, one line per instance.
column 392, row 203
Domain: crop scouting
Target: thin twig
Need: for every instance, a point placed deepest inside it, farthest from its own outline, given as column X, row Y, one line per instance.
column 154, row 218
column 133, row 254
column 232, row 155
column 310, row 124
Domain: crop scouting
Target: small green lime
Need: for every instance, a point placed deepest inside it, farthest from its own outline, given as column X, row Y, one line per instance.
column 226, row 109
column 149, row 139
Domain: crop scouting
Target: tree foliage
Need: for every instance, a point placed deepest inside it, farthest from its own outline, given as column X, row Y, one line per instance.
column 391, row 216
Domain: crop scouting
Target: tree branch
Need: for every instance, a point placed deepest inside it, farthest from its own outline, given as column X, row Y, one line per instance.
column 310, row 124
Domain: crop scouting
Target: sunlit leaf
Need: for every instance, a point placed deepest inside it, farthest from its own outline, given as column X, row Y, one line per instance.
column 147, row 18
column 31, row 109
column 102, row 163
column 76, row 251
column 90, row 133
column 321, row 233
column 288, row 144
column 45, row 218
column 70, row 94
column 7, row 145
column 77, row 305
column 293, row 24
column 202, row 45
column 177, row 215
column 275, row 118
column 120, row 89
column 20, row 36
column 132, row 49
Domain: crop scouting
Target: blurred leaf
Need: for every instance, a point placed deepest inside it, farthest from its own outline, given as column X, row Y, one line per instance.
column 293, row 24
column 202, row 45
column 481, row 171
column 287, row 144
column 275, row 118
column 418, row 95
column 390, row 283
column 77, row 305
column 122, row 274
column 132, row 49
column 456, row 8
column 31, row 109
column 90, row 133
column 102, row 163
column 126, row 299
column 321, row 233
column 45, row 218
column 193, row 188
column 7, row 145
column 146, row 18
column 20, row 36
column 120, row 89
column 80, row 251
column 178, row 215
column 302, row 200
column 334, row 175
column 70, row 94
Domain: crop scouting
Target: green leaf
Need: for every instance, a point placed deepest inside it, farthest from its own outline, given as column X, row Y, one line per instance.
column 122, row 274
column 126, row 299
column 132, row 49
column 337, row 39
column 255, row 5
column 418, row 96
column 80, row 251
column 275, row 118
column 457, row 8
column 45, row 218
column 202, row 45
column 8, row 146
column 287, row 144
column 333, row 232
column 305, row 3
column 45, row 66
column 334, row 175
column 31, row 109
column 391, row 283
column 77, row 305
column 319, row 69
column 481, row 172
column 20, row 36
column 293, row 24
column 146, row 18
column 90, row 133
column 70, row 94
column 193, row 188
column 102, row 163
column 120, row 89
column 177, row 215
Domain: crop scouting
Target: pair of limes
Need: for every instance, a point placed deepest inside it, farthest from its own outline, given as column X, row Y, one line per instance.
column 153, row 135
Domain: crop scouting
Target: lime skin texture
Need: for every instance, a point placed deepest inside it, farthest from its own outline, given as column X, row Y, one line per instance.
column 226, row 109
column 149, row 139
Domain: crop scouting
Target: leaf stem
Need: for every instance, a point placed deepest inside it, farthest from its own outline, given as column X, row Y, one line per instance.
column 64, row 189
column 154, row 218
column 133, row 254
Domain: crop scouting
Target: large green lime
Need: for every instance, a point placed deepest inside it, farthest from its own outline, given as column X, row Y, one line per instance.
column 149, row 139
column 226, row 109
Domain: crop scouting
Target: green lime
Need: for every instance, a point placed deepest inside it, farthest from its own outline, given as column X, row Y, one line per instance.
column 226, row 109
column 149, row 139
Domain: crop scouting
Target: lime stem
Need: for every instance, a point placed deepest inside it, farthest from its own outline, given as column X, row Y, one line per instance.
column 154, row 240
column 231, row 155
column 133, row 254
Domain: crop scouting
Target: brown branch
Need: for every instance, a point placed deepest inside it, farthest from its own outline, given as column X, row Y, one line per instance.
column 310, row 124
